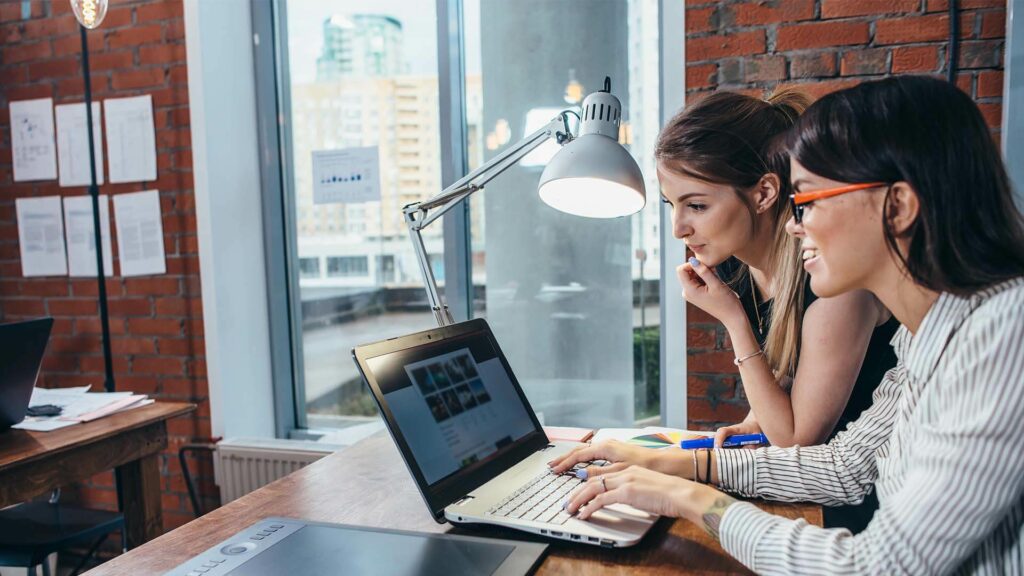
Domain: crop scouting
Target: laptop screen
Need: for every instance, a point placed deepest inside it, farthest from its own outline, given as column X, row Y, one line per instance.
column 454, row 401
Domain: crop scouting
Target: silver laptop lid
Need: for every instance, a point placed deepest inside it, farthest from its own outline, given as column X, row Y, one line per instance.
column 453, row 406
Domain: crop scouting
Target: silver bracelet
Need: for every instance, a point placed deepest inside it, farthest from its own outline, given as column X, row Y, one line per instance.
column 738, row 361
column 696, row 477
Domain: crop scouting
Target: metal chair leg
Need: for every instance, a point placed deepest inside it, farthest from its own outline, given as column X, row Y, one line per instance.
column 88, row 555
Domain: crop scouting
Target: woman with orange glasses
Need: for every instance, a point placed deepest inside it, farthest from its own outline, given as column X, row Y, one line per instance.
column 899, row 190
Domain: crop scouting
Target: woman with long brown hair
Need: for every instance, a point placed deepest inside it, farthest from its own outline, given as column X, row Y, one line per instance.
column 898, row 190
column 728, row 191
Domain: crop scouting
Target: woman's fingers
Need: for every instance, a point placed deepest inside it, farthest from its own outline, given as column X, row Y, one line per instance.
column 724, row 432
column 706, row 274
column 594, row 471
column 589, row 490
column 604, row 451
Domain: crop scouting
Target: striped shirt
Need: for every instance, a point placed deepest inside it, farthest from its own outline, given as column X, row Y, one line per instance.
column 943, row 444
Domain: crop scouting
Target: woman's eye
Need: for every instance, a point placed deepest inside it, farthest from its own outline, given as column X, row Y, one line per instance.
column 697, row 207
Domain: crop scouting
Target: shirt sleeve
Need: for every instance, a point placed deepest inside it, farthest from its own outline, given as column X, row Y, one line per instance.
column 840, row 472
column 961, row 480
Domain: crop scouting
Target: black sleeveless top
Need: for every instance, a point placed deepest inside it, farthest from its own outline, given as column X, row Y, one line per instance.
column 878, row 359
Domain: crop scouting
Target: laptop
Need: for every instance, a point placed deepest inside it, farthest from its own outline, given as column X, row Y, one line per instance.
column 21, row 353
column 472, row 442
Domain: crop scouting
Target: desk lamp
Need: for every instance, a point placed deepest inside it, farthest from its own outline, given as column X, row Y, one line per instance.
column 592, row 175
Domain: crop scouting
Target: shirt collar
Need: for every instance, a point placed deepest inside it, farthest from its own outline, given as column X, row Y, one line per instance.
column 927, row 346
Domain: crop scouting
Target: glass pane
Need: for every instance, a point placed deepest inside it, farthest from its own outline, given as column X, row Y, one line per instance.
column 573, row 301
column 362, row 73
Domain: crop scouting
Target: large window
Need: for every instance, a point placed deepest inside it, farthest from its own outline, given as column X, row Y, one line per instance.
column 574, row 302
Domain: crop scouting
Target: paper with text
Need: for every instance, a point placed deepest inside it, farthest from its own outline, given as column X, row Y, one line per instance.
column 81, row 236
column 41, row 236
column 140, row 233
column 131, row 139
column 33, row 151
column 73, row 144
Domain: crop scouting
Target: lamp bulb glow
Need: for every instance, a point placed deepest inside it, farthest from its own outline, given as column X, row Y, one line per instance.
column 89, row 13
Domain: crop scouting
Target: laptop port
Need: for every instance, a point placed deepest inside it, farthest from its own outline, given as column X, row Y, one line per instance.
column 553, row 533
column 574, row 536
column 543, row 531
column 591, row 539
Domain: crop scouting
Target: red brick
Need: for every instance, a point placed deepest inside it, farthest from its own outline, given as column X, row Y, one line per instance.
column 45, row 28
column 701, row 410
column 816, row 65
column 96, row 364
column 907, row 59
column 993, row 24
column 110, row 60
column 981, row 54
column 700, row 338
column 154, row 286
column 23, row 307
column 72, row 307
column 174, row 30
column 171, row 307
column 701, row 76
column 764, row 69
column 24, row 52
column 848, row 8
column 138, row 384
column 130, row 307
column 157, row 365
column 739, row 44
column 158, row 11
column 76, row 344
column 818, row 89
column 992, row 112
column 133, row 346
column 864, row 62
column 990, row 84
column 162, row 53
column 928, row 28
column 46, row 69
column 85, row 325
column 759, row 12
column 186, row 347
column 700, row 20
column 180, row 387
column 28, row 93
column 183, row 158
column 943, row 5
column 155, row 326
column 134, row 36
column 132, row 79
column 965, row 82
column 60, row 363
column 36, row 287
column 821, row 35
column 710, row 362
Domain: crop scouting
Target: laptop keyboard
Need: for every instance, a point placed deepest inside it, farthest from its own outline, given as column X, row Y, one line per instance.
column 541, row 498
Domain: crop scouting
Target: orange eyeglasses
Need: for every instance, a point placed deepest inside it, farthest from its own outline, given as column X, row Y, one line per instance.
column 799, row 200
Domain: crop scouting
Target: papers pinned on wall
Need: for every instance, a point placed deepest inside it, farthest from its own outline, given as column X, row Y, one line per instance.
column 81, row 235
column 131, row 139
column 140, row 233
column 41, row 236
column 73, row 144
column 350, row 175
column 34, row 154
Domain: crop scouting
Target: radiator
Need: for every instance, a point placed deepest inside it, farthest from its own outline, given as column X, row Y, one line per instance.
column 241, row 465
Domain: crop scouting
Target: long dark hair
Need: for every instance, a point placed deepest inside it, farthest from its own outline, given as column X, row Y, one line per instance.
column 920, row 130
column 729, row 138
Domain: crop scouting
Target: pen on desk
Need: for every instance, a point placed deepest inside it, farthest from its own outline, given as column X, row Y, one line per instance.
column 731, row 441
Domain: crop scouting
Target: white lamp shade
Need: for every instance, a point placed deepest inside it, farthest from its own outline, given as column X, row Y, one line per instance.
column 593, row 176
column 89, row 13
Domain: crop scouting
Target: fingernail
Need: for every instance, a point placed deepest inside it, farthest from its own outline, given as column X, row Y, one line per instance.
column 565, row 505
column 582, row 474
column 694, row 262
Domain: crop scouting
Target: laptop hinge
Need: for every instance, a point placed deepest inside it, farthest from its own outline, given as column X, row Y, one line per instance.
column 463, row 500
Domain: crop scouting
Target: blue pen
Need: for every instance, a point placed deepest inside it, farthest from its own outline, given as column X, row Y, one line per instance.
column 731, row 441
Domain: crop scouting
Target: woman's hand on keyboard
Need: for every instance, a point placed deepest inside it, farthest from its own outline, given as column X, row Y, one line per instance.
column 619, row 455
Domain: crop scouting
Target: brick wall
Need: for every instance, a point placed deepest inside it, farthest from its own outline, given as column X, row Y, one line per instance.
column 156, row 321
column 820, row 46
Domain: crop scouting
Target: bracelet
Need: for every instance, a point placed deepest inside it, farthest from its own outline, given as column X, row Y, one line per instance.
column 738, row 361
column 707, row 470
column 696, row 476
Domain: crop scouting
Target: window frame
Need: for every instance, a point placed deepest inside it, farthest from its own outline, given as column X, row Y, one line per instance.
column 273, row 101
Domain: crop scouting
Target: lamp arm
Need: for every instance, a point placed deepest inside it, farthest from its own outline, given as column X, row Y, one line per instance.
column 418, row 215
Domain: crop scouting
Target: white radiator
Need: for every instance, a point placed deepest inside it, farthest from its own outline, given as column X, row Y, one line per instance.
column 241, row 465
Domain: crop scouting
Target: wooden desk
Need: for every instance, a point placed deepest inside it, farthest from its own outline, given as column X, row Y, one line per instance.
column 33, row 463
column 368, row 485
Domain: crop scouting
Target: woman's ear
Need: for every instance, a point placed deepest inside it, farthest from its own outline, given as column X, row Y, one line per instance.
column 902, row 209
column 766, row 193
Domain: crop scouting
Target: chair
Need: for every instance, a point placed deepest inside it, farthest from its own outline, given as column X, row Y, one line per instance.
column 31, row 531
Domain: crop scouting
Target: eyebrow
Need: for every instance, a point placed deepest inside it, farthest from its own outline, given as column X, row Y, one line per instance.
column 684, row 196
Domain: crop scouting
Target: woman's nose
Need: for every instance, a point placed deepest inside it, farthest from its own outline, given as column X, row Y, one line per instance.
column 680, row 229
column 793, row 228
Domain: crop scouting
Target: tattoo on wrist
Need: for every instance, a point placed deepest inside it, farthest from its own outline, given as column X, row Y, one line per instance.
column 712, row 517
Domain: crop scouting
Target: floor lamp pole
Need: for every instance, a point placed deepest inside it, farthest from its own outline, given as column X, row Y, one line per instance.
column 94, row 191
column 101, row 281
